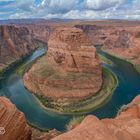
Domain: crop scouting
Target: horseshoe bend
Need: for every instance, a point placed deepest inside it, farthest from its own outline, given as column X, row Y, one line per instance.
column 65, row 79
column 70, row 76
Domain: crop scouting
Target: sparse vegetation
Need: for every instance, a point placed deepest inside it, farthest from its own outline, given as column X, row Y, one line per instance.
column 136, row 66
column 105, row 60
column 124, row 108
column 74, row 122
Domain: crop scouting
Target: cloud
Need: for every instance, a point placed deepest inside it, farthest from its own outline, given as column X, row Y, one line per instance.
column 59, row 6
column 102, row 4
column 76, row 9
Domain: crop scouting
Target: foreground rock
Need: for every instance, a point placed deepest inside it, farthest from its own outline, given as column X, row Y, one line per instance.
column 126, row 126
column 70, row 72
column 13, row 121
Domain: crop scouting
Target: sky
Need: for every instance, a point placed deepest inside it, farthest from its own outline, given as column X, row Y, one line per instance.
column 70, row 9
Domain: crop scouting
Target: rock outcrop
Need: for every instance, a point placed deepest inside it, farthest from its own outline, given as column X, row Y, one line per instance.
column 13, row 122
column 71, row 71
column 126, row 126
column 71, row 49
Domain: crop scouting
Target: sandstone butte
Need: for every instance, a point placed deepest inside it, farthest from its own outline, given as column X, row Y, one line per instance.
column 13, row 121
column 126, row 126
column 70, row 71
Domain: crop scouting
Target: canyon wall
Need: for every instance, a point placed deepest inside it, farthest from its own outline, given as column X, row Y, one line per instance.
column 13, row 125
column 40, row 31
column 124, row 43
column 121, row 39
column 15, row 42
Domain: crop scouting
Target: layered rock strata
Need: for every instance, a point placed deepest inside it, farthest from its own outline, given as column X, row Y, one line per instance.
column 124, row 43
column 15, row 42
column 13, row 122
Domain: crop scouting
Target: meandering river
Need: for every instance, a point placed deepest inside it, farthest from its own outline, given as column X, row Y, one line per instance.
column 12, row 87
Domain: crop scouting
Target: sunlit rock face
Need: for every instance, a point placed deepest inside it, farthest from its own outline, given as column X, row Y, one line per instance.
column 71, row 49
column 13, row 122
column 126, row 126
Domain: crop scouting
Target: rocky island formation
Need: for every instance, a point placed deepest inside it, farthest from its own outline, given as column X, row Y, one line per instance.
column 70, row 72
column 12, row 122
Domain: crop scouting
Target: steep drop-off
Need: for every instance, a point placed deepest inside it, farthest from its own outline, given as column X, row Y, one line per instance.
column 13, row 125
column 124, row 43
column 15, row 43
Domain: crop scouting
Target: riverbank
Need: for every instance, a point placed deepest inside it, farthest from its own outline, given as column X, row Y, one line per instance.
column 26, row 66
column 12, row 64
column 136, row 67
column 4, row 68
column 105, row 60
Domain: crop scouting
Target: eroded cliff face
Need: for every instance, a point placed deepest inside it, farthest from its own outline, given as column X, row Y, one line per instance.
column 71, row 71
column 13, row 122
column 96, row 33
column 15, row 42
column 71, row 49
column 40, row 31
column 124, row 43
column 126, row 126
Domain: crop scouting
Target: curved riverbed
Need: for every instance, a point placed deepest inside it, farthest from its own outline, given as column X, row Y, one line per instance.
column 12, row 87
